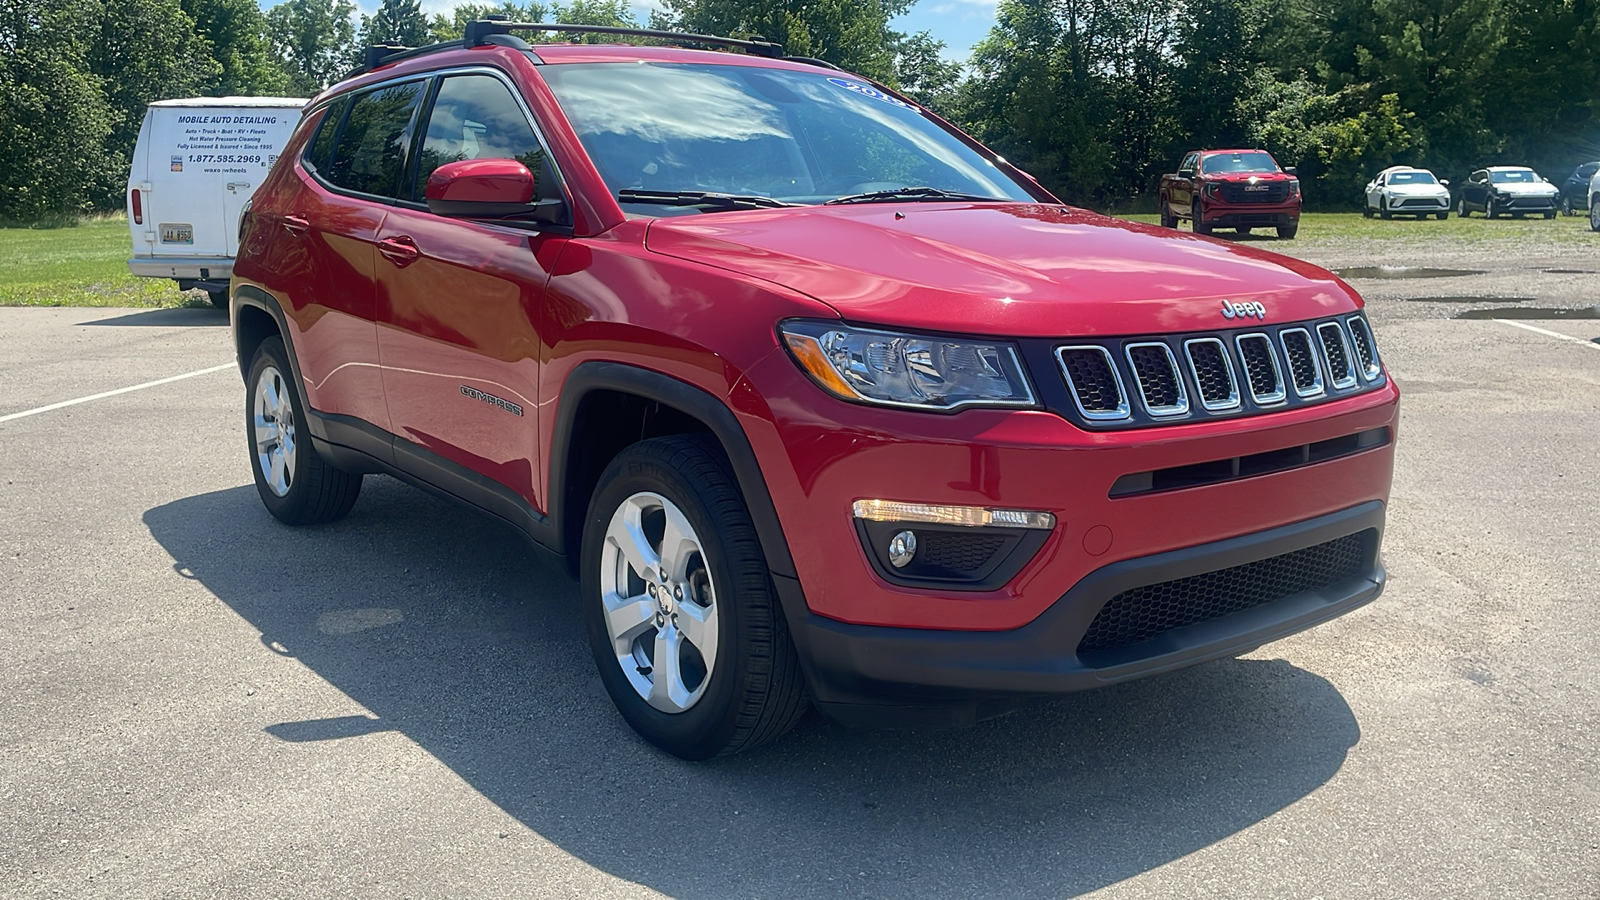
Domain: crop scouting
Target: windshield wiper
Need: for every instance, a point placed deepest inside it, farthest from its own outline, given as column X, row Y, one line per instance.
column 702, row 199
column 912, row 194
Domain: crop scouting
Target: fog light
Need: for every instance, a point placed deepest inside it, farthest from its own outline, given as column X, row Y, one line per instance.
column 902, row 547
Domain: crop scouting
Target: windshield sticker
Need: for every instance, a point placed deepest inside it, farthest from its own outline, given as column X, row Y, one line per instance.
column 869, row 91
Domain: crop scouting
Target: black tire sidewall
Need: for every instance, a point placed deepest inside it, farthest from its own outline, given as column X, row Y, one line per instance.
column 706, row 728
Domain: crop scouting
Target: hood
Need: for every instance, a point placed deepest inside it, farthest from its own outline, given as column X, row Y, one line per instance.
column 1017, row 270
column 1416, row 190
column 1231, row 177
column 1518, row 189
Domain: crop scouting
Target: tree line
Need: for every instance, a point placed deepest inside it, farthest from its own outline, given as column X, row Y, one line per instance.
column 1095, row 98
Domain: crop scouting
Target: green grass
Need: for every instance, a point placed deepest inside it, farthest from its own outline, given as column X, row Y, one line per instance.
column 1508, row 233
column 83, row 265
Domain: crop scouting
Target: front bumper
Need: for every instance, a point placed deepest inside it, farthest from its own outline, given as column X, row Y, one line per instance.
column 1232, row 217
column 875, row 675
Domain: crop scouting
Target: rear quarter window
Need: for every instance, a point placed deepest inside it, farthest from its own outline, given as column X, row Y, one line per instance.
column 320, row 147
column 371, row 149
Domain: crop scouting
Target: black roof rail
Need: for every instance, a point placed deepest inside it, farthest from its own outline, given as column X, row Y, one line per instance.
column 479, row 32
column 384, row 54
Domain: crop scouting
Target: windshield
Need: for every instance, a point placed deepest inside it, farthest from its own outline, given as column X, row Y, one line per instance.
column 1250, row 161
column 798, row 137
column 1516, row 176
column 1412, row 178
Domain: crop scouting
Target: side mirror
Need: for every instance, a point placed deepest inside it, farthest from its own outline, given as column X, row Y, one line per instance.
column 1445, row 182
column 1292, row 170
column 492, row 189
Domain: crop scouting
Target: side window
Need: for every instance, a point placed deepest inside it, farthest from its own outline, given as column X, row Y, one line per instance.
column 372, row 144
column 321, row 147
column 476, row 117
column 1188, row 163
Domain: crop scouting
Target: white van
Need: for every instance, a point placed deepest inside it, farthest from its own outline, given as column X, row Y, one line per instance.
column 196, row 164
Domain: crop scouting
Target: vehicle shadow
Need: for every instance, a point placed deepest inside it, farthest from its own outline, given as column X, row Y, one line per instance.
column 170, row 317
column 448, row 629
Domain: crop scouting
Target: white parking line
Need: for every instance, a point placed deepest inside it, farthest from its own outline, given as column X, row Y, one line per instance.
column 1555, row 334
column 137, row 387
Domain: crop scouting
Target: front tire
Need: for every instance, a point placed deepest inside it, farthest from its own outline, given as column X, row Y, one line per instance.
column 1383, row 209
column 219, row 299
column 1199, row 225
column 682, row 616
column 1441, row 216
column 1461, row 207
column 1489, row 212
column 1594, row 214
column 1287, row 232
column 295, row 484
column 1567, row 209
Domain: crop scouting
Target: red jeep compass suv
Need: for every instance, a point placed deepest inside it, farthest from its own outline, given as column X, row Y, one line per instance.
column 824, row 403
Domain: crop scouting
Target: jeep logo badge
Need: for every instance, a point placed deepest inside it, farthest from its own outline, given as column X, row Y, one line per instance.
column 1244, row 310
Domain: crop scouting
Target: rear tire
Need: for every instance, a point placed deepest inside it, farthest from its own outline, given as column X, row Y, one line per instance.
column 671, row 563
column 1168, row 218
column 219, row 299
column 295, row 484
column 1366, row 209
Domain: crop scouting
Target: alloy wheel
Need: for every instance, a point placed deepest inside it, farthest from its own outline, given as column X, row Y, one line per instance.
column 659, row 602
column 273, row 421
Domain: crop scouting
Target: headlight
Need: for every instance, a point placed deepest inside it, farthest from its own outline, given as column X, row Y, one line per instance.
column 909, row 370
column 1294, row 188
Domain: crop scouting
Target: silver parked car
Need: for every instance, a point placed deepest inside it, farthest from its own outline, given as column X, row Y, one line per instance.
column 1507, row 190
column 1405, row 191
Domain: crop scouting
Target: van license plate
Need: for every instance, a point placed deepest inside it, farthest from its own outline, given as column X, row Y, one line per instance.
column 177, row 234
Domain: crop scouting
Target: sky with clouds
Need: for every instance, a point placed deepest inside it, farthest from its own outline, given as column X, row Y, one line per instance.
column 959, row 23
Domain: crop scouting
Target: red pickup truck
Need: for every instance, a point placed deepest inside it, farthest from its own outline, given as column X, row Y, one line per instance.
column 1240, row 189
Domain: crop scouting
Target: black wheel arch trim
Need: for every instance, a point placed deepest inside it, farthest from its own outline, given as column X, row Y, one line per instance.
column 648, row 384
column 359, row 445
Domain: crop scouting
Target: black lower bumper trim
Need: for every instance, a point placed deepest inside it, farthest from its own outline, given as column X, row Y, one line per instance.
column 876, row 675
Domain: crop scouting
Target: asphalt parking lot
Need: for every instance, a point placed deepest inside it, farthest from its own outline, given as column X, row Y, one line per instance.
column 198, row 702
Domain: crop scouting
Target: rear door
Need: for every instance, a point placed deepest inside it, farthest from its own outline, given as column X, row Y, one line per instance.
column 355, row 164
column 461, row 302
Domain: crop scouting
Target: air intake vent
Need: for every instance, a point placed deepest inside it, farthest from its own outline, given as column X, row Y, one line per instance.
column 1096, row 386
column 1366, row 347
column 1156, row 373
column 1142, row 613
column 1301, row 354
column 1213, row 373
column 1261, row 369
column 1339, row 364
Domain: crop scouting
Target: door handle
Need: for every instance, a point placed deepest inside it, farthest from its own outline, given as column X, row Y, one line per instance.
column 402, row 250
column 296, row 225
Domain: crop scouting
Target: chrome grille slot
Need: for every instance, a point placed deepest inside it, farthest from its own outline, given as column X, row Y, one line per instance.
column 1096, row 386
column 1338, row 351
column 1301, row 354
column 1213, row 373
column 1261, row 369
column 1366, row 347
column 1155, row 371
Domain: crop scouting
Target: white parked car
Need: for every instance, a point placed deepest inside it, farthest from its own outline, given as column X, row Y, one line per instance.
column 196, row 164
column 1594, row 202
column 1404, row 191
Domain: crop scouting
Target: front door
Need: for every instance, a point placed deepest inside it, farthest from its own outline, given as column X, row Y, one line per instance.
column 460, row 301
